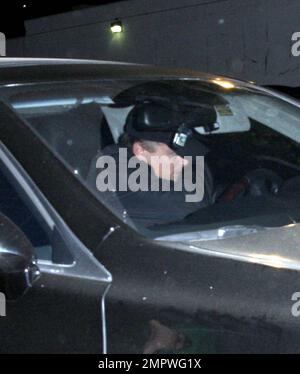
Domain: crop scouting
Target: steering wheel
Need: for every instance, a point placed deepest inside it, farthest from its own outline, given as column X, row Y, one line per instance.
column 258, row 182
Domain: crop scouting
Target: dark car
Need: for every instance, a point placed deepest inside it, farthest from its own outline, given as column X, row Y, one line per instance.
column 80, row 275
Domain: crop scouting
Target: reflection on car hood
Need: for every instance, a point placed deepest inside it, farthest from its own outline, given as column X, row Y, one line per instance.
column 214, row 234
column 277, row 247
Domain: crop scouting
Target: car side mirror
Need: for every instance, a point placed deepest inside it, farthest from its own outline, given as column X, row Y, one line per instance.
column 18, row 267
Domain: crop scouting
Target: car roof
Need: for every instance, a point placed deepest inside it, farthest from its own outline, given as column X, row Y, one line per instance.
column 30, row 70
column 31, row 61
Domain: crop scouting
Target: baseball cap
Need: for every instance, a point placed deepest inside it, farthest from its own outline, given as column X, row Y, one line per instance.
column 162, row 121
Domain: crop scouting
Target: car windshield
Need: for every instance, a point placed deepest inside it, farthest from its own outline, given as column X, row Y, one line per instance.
column 238, row 145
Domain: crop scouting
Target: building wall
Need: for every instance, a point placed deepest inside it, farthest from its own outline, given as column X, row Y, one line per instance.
column 248, row 39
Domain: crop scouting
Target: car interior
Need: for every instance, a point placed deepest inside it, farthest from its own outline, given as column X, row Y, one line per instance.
column 239, row 149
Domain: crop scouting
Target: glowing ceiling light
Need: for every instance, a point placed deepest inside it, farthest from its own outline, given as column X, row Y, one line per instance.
column 116, row 26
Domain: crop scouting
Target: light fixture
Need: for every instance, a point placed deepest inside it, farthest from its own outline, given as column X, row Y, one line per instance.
column 116, row 26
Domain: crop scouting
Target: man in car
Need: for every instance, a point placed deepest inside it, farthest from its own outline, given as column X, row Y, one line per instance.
column 154, row 138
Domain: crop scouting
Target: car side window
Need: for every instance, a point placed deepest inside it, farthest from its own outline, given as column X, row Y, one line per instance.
column 12, row 206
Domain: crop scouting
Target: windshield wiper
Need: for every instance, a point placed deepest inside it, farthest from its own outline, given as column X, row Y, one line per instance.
column 224, row 232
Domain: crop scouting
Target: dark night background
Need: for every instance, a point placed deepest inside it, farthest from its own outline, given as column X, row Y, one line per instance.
column 249, row 39
column 14, row 13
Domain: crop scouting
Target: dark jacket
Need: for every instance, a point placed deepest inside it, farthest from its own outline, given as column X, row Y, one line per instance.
column 149, row 207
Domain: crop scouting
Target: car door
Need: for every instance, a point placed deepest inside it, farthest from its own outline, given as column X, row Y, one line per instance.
column 165, row 296
column 64, row 311
column 168, row 298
